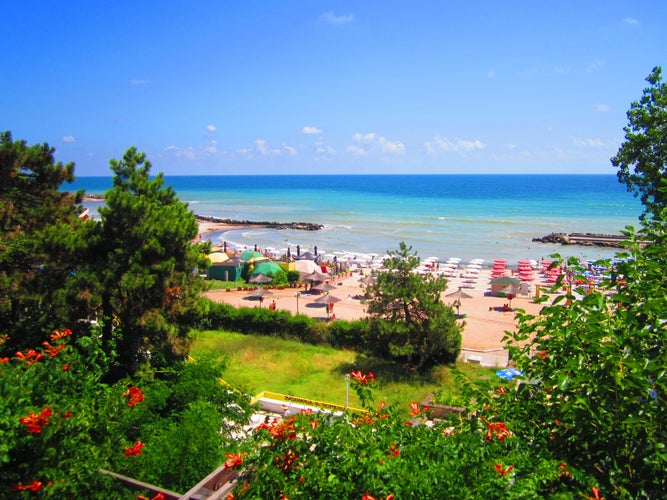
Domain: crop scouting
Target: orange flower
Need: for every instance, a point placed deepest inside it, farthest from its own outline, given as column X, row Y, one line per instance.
column 596, row 494
column 4, row 360
column 414, row 409
column 29, row 357
column 135, row 449
column 158, row 496
column 281, row 429
column 362, row 378
column 34, row 486
column 501, row 471
column 56, row 335
column 287, row 461
column 314, row 424
column 36, row 422
column 394, row 450
column 51, row 350
column 499, row 429
column 135, row 396
column 366, row 419
column 233, row 460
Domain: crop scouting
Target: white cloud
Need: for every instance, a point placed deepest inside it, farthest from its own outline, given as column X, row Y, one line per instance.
column 356, row 150
column 212, row 148
column 393, row 147
column 69, row 138
column 371, row 141
column 459, row 146
column 211, row 128
column 324, row 149
column 260, row 144
column 311, row 130
column 290, row 150
column 595, row 66
column 630, row 20
column 588, row 142
column 179, row 152
column 602, row 108
column 334, row 20
column 140, row 81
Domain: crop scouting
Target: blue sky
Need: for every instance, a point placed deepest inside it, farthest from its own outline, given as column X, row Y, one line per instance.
column 297, row 87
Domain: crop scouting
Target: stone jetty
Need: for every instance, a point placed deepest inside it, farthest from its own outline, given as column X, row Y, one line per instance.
column 583, row 239
column 302, row 226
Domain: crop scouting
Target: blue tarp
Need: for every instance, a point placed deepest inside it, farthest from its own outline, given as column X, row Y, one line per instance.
column 509, row 373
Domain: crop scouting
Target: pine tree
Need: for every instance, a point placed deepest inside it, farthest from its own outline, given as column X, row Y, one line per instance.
column 408, row 318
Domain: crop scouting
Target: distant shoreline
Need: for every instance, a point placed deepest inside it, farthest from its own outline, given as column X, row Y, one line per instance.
column 209, row 223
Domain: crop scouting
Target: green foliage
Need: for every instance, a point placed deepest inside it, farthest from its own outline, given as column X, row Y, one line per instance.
column 383, row 453
column 597, row 359
column 408, row 318
column 642, row 158
column 38, row 238
column 293, row 276
column 184, row 417
column 146, row 266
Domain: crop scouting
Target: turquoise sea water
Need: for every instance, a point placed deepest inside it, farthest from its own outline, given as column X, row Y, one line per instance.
column 465, row 216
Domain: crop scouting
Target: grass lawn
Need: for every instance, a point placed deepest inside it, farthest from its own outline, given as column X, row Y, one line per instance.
column 257, row 363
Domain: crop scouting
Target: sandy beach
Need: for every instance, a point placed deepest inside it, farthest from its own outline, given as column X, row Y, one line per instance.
column 485, row 323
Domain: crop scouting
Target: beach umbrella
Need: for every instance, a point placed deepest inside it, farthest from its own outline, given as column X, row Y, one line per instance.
column 326, row 299
column 459, row 294
column 218, row 257
column 260, row 278
column 251, row 256
column 306, row 266
column 260, row 292
column 324, row 287
column 315, row 277
column 266, row 268
column 306, row 256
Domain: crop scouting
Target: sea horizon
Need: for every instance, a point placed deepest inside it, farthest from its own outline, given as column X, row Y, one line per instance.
column 444, row 215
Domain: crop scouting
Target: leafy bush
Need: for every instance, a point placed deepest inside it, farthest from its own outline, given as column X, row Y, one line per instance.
column 60, row 423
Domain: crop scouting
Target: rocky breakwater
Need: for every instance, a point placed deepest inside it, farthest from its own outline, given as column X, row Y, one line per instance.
column 302, row 226
column 582, row 239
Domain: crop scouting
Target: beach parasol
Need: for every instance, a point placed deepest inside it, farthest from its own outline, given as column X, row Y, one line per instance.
column 260, row 278
column 260, row 292
column 324, row 287
column 459, row 294
column 306, row 256
column 251, row 256
column 266, row 268
column 306, row 266
column 218, row 257
column 327, row 299
column 315, row 277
